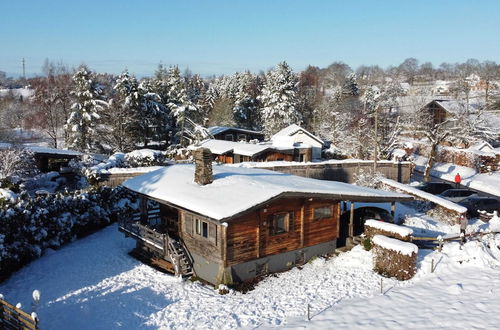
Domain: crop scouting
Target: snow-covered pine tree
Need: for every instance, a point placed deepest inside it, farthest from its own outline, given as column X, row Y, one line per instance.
column 245, row 108
column 87, row 104
column 123, row 118
column 154, row 119
column 279, row 99
column 179, row 104
column 350, row 86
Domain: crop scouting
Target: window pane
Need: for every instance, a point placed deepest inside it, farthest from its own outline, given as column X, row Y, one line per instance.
column 198, row 226
column 280, row 223
column 205, row 229
column 322, row 212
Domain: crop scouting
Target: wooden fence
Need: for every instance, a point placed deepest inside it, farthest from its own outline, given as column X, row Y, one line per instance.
column 13, row 318
column 346, row 171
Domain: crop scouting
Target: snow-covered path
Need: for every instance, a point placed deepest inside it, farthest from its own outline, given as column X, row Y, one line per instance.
column 94, row 284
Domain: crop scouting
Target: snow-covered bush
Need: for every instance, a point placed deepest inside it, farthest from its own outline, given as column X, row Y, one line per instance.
column 145, row 157
column 137, row 158
column 16, row 162
column 31, row 225
column 333, row 153
column 367, row 179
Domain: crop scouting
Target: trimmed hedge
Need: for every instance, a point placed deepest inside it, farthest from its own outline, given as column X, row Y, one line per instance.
column 32, row 225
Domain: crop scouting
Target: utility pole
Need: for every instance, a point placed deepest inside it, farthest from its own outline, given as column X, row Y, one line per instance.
column 24, row 69
column 376, row 142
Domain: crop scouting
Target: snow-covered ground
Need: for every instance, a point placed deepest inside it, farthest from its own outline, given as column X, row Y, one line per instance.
column 94, row 284
column 486, row 182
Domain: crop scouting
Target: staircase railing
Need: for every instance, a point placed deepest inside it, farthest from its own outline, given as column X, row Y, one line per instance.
column 162, row 242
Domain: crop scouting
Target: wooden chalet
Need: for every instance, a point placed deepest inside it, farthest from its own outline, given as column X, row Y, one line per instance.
column 234, row 134
column 229, row 152
column 232, row 224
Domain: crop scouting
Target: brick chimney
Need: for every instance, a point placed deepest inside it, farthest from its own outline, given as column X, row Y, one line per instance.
column 203, row 166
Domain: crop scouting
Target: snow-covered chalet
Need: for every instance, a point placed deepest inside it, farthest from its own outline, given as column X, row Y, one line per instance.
column 229, row 224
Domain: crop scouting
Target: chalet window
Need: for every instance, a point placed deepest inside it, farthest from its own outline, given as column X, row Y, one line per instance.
column 202, row 228
column 242, row 137
column 322, row 212
column 280, row 223
column 229, row 137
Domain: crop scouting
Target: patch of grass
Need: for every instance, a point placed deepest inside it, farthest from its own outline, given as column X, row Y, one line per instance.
column 367, row 244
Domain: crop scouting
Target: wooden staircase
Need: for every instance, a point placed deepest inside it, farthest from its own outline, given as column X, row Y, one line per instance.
column 159, row 248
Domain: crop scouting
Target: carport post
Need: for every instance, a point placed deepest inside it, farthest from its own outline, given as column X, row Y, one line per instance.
column 351, row 221
column 393, row 209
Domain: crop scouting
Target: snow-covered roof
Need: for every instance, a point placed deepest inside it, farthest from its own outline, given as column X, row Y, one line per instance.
column 454, row 106
column 42, row 150
column 236, row 190
column 221, row 147
column 214, row 130
column 482, row 146
column 292, row 129
column 425, row 195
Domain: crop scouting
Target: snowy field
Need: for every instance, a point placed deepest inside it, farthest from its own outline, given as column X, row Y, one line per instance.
column 94, row 284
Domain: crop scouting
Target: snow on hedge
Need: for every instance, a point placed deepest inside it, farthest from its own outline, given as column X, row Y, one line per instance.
column 8, row 195
column 424, row 195
column 389, row 227
column 395, row 245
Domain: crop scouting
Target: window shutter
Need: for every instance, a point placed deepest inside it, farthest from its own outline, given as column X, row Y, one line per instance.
column 291, row 221
column 212, row 232
column 188, row 224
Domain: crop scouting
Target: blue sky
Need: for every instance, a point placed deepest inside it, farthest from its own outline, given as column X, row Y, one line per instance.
column 217, row 37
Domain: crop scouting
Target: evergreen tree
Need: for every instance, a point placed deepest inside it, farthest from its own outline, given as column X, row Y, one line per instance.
column 154, row 120
column 124, row 114
column 181, row 108
column 246, row 104
column 84, row 116
column 279, row 100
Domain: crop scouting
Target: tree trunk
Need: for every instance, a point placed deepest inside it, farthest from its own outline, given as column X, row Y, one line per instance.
column 430, row 163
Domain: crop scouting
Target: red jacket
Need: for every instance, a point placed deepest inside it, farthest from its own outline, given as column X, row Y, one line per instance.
column 458, row 179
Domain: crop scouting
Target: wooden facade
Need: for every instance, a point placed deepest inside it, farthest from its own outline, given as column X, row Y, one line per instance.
column 251, row 236
column 284, row 225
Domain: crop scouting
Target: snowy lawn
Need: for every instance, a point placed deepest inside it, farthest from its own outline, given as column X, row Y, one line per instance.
column 94, row 284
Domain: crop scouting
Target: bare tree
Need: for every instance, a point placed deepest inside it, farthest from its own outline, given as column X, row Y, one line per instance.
column 436, row 133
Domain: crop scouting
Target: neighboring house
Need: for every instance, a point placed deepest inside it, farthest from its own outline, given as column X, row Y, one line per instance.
column 442, row 110
column 229, row 224
column 236, row 152
column 234, row 134
column 483, row 147
column 300, row 139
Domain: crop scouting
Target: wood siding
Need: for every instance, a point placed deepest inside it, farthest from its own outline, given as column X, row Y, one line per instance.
column 210, row 247
column 249, row 236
